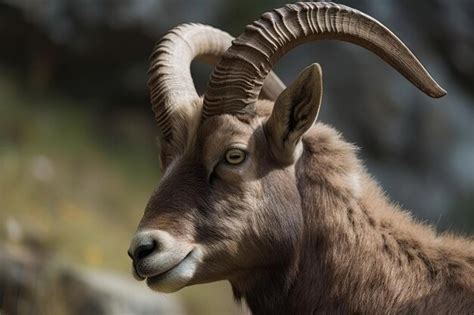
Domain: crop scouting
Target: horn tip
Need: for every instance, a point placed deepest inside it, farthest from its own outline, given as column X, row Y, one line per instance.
column 438, row 92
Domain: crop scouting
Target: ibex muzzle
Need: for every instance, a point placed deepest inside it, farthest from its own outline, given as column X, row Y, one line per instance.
column 167, row 263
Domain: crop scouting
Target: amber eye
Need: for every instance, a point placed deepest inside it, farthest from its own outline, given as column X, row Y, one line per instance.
column 235, row 156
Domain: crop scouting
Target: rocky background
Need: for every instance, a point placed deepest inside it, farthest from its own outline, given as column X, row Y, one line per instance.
column 78, row 69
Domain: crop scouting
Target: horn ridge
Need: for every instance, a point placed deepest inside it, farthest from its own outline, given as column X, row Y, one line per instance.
column 278, row 31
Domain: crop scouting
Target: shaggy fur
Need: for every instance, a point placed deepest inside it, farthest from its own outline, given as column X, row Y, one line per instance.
column 359, row 253
column 317, row 236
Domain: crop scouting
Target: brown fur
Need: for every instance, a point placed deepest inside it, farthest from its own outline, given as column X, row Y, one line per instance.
column 318, row 236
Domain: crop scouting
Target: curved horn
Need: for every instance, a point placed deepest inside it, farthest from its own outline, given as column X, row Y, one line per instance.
column 171, row 86
column 237, row 79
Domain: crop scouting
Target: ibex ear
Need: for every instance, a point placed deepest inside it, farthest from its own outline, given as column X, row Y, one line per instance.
column 294, row 112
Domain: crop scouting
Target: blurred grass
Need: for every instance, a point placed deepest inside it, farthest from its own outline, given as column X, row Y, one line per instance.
column 59, row 180
column 80, row 181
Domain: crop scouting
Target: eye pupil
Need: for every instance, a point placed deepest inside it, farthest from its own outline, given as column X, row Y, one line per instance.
column 235, row 156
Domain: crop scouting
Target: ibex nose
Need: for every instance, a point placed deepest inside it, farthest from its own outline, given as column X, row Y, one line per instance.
column 155, row 251
column 143, row 245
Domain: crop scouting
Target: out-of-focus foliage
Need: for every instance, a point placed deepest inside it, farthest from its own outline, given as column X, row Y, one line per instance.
column 78, row 158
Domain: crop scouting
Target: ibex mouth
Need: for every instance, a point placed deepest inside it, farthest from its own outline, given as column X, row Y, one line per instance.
column 178, row 276
column 164, row 260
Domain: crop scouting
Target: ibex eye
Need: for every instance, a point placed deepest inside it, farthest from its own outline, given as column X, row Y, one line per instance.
column 235, row 156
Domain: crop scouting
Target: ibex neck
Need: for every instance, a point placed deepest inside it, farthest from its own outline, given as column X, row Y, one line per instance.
column 359, row 253
column 299, row 286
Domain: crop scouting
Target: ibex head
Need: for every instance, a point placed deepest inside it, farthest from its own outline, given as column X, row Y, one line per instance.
column 228, row 204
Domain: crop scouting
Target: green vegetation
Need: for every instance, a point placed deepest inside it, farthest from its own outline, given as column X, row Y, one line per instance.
column 59, row 180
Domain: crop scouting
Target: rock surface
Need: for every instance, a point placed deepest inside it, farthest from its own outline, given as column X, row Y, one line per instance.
column 35, row 284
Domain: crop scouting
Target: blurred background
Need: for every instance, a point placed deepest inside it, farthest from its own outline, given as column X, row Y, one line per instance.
column 78, row 153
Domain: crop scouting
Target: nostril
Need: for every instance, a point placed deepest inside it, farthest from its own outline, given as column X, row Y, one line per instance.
column 144, row 250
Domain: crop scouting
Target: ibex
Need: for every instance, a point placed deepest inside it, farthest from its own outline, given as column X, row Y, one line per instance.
column 255, row 192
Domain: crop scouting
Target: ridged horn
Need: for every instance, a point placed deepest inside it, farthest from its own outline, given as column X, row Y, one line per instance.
column 172, row 90
column 236, row 81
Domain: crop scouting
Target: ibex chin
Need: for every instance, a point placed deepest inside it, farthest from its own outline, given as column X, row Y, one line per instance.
column 254, row 192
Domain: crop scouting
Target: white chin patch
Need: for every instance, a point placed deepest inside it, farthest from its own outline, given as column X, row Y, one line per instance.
column 177, row 277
